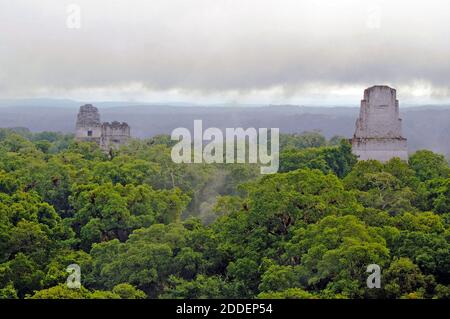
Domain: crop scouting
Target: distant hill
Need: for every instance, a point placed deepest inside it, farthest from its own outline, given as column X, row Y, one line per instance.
column 425, row 127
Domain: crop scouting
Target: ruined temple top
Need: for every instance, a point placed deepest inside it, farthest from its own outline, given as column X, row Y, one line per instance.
column 116, row 124
column 88, row 115
column 380, row 88
column 379, row 114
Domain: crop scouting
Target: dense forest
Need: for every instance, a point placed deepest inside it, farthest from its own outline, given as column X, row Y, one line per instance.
column 141, row 226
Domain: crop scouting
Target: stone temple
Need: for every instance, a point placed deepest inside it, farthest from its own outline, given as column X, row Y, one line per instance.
column 107, row 135
column 378, row 133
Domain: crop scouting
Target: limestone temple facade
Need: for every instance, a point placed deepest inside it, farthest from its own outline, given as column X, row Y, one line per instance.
column 378, row 133
column 107, row 135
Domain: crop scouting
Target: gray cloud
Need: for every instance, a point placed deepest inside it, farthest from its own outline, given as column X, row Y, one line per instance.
column 206, row 47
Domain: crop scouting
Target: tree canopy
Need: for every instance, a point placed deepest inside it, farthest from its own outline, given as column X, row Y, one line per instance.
column 140, row 226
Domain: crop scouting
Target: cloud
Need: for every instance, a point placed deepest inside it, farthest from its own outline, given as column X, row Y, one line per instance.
column 203, row 47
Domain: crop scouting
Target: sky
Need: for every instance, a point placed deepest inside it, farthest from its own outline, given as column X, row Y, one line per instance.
column 311, row 52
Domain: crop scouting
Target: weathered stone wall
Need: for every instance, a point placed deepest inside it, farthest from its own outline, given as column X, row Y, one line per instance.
column 378, row 133
column 114, row 134
column 379, row 114
column 88, row 126
column 107, row 135
column 380, row 149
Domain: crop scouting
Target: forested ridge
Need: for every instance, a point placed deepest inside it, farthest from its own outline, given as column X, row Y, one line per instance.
column 141, row 226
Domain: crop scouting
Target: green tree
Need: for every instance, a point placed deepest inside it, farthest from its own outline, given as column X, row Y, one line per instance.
column 127, row 291
column 429, row 165
column 403, row 277
column 334, row 253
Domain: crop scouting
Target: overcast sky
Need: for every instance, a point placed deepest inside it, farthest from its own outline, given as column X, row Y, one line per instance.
column 225, row 51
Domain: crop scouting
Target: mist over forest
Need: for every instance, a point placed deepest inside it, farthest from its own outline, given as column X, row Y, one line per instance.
column 425, row 127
